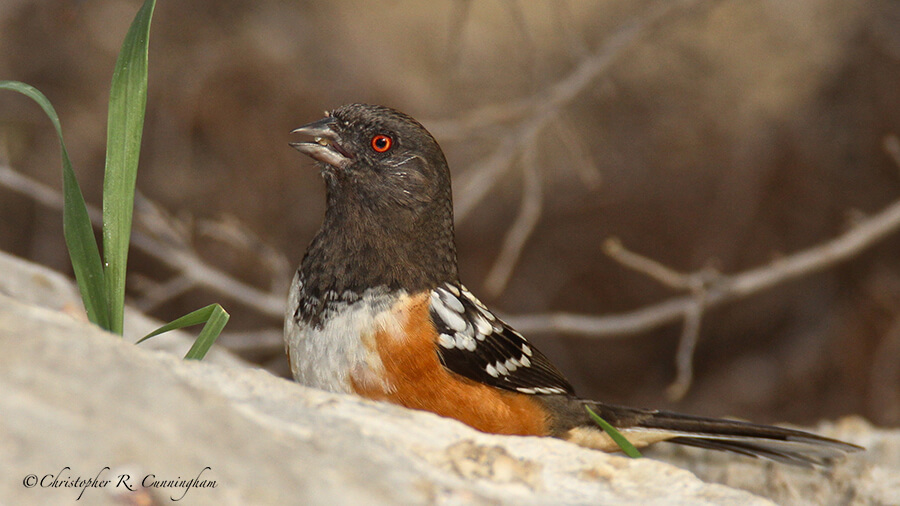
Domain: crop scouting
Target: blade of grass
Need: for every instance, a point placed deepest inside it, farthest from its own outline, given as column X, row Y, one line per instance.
column 127, row 105
column 615, row 435
column 79, row 235
column 209, row 334
column 215, row 318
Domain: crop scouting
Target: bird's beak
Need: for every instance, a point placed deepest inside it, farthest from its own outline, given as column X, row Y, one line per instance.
column 326, row 146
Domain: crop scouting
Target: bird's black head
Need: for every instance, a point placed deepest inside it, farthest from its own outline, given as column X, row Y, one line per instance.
column 382, row 158
column 389, row 217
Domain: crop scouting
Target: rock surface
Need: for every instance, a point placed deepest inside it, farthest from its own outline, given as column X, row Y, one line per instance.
column 76, row 401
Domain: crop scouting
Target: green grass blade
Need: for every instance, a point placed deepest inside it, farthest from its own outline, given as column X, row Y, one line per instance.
column 127, row 104
column 79, row 234
column 616, row 436
column 209, row 334
column 215, row 318
column 193, row 318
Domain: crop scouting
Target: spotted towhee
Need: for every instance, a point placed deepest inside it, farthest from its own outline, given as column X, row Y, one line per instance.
column 377, row 309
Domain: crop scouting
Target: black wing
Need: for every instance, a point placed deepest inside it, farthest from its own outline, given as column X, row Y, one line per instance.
column 476, row 344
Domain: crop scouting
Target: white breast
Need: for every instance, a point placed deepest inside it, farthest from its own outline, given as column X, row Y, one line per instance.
column 343, row 347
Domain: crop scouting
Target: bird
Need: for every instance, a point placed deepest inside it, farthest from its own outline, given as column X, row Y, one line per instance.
column 377, row 309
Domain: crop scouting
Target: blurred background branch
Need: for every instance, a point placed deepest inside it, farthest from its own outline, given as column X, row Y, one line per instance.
column 168, row 244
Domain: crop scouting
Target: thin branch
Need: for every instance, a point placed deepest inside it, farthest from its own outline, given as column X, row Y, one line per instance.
column 211, row 278
column 231, row 231
column 158, row 222
column 155, row 294
column 183, row 261
column 584, row 164
column 651, row 268
column 475, row 184
column 471, row 122
column 725, row 288
column 698, row 283
column 523, row 226
column 39, row 192
column 265, row 341
column 684, row 357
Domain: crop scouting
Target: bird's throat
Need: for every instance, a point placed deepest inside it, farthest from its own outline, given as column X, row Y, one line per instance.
column 355, row 251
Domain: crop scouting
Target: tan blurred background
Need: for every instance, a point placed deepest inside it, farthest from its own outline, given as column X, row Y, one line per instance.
column 710, row 133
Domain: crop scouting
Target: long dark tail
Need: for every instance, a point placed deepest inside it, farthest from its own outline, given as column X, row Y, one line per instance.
column 643, row 427
column 775, row 443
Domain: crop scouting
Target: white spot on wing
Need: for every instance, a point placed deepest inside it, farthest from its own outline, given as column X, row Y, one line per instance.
column 524, row 361
column 451, row 319
column 451, row 301
column 446, row 341
column 490, row 370
column 481, row 324
column 469, row 331
column 526, row 350
column 502, row 369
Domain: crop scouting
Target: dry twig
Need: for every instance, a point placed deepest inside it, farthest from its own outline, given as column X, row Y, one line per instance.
column 697, row 283
column 183, row 260
column 523, row 226
column 723, row 288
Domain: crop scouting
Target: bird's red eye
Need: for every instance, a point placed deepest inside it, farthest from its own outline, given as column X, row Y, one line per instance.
column 381, row 143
